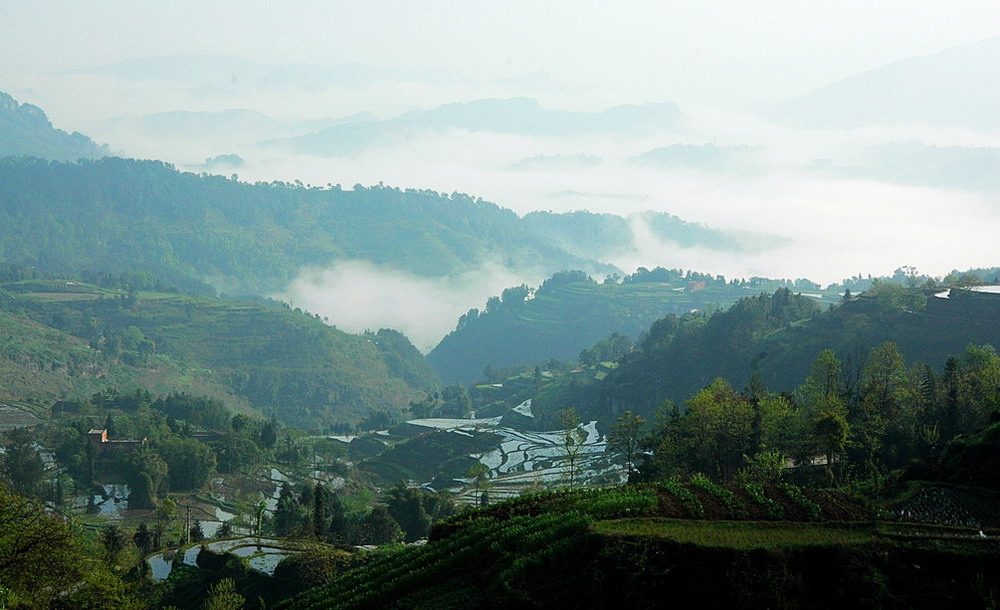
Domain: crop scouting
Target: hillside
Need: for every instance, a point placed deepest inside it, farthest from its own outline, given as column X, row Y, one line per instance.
column 25, row 130
column 116, row 214
column 69, row 340
column 780, row 342
column 570, row 312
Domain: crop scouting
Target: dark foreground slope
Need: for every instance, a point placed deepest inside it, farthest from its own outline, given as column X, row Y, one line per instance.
column 633, row 548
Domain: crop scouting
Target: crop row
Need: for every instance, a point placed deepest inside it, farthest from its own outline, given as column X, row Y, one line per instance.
column 734, row 506
column 692, row 505
column 772, row 508
column 476, row 542
column 602, row 503
column 795, row 494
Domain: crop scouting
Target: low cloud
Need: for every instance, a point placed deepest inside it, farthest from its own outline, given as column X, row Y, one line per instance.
column 358, row 295
column 833, row 225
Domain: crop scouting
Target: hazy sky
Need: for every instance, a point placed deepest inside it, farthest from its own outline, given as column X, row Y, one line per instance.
column 605, row 52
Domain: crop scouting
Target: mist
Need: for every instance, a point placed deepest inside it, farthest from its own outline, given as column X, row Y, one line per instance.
column 358, row 296
column 822, row 202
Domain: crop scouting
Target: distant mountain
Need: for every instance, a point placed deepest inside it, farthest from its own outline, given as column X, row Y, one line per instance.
column 606, row 236
column 520, row 116
column 118, row 214
column 228, row 127
column 124, row 215
column 26, row 131
column 918, row 164
column 705, row 157
column 957, row 87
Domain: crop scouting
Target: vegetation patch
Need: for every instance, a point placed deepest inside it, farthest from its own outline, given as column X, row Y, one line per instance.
column 772, row 508
column 736, row 508
column 738, row 535
column 795, row 494
column 692, row 505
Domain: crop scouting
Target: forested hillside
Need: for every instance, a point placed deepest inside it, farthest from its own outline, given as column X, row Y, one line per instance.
column 120, row 214
column 570, row 312
column 778, row 336
column 25, row 130
column 193, row 230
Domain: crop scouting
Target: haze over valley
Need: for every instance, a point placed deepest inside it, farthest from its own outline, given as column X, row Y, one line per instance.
column 861, row 165
column 467, row 305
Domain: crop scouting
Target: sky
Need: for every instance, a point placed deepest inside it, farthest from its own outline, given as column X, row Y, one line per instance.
column 728, row 52
column 722, row 62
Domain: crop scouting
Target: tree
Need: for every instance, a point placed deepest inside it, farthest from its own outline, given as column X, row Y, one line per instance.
column 190, row 462
column 22, row 463
column 196, row 534
column 146, row 472
column 763, row 467
column 573, row 438
column 479, row 474
column 114, row 541
column 832, row 431
column 624, row 438
column 455, row 401
column 319, row 511
column 235, row 453
column 378, row 527
column 39, row 556
column 885, row 393
column 716, row 433
column 269, row 433
column 167, row 511
column 143, row 538
column 416, row 510
column 223, row 596
column 286, row 513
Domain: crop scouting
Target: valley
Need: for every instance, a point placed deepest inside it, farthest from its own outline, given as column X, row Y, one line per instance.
column 566, row 342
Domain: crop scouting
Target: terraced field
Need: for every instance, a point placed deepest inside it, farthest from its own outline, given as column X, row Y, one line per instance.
column 525, row 460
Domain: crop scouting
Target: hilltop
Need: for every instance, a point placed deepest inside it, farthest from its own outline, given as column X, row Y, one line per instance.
column 682, row 354
column 571, row 312
column 25, row 130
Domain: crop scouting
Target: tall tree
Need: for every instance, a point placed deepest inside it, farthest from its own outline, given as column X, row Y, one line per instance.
column 573, row 438
column 624, row 438
column 319, row 511
column 718, row 430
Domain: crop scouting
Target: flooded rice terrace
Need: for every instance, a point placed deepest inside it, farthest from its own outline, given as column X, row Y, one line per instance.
column 527, row 460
